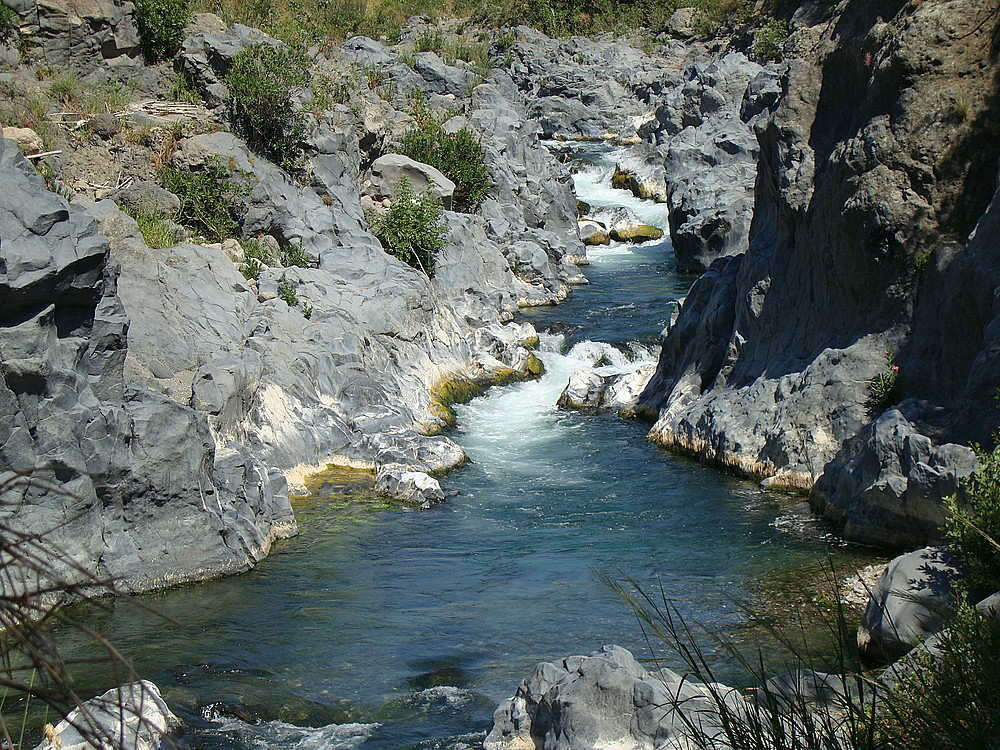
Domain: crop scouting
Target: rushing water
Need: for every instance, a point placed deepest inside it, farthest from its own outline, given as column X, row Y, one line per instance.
column 381, row 628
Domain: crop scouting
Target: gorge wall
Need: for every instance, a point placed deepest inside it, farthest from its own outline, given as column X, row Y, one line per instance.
column 872, row 234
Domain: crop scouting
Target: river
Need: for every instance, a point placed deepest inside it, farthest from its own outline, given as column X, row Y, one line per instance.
column 379, row 627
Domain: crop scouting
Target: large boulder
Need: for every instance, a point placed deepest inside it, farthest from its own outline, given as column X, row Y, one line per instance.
column 387, row 171
column 886, row 485
column 915, row 593
column 605, row 700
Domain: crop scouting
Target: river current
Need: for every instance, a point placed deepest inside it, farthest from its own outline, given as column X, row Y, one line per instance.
column 379, row 627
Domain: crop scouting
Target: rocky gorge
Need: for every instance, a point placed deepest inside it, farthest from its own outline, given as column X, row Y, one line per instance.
column 838, row 204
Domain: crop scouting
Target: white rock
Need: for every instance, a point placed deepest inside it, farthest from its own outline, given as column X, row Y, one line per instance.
column 130, row 717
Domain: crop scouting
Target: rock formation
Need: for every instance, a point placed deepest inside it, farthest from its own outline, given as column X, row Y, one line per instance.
column 872, row 208
column 166, row 393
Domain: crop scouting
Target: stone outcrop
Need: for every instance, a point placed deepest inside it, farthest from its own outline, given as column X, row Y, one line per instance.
column 705, row 135
column 171, row 394
column 155, row 500
column 768, row 366
column 915, row 593
column 604, row 700
column 582, row 88
column 130, row 717
column 886, row 484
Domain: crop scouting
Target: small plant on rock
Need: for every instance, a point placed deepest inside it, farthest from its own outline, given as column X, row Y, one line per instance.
column 161, row 26
column 413, row 229
column 459, row 156
column 294, row 255
column 768, row 40
column 261, row 82
column 255, row 258
column 155, row 230
column 287, row 292
column 884, row 387
column 208, row 197
column 9, row 22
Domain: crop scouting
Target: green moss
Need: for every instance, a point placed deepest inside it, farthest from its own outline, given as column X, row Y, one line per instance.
column 459, row 389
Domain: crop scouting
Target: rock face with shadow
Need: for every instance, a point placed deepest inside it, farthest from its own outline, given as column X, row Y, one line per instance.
column 872, row 219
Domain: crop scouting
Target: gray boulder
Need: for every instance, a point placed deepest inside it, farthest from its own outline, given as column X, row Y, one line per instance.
column 909, row 602
column 605, row 700
column 387, row 171
column 886, row 486
column 148, row 197
column 129, row 717
column 682, row 23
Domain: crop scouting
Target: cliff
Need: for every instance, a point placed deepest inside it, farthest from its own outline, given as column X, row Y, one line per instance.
column 872, row 246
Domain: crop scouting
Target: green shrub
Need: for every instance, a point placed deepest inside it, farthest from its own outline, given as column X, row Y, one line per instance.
column 429, row 42
column 413, row 229
column 161, row 26
column 287, row 292
column 208, row 198
column 294, row 255
column 255, row 257
column 155, row 229
column 260, row 87
column 459, row 156
column 185, row 89
column 951, row 703
column 66, row 88
column 768, row 40
column 884, row 387
column 9, row 22
column 973, row 525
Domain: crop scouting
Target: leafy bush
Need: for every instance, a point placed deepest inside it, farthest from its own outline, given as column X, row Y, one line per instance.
column 207, row 198
column 459, row 156
column 884, row 387
column 973, row 525
column 255, row 257
column 286, row 290
column 768, row 40
column 413, row 229
column 260, row 87
column 9, row 22
column 161, row 26
column 294, row 255
column 952, row 702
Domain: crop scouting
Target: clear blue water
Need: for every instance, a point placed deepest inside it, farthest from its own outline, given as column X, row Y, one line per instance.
column 386, row 628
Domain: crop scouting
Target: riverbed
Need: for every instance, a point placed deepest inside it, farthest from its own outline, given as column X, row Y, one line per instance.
column 384, row 627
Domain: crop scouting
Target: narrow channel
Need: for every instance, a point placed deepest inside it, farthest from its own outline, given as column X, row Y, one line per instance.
column 385, row 628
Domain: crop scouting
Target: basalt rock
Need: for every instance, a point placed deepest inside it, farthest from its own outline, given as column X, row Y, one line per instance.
column 768, row 366
column 605, row 700
column 913, row 597
column 138, row 467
